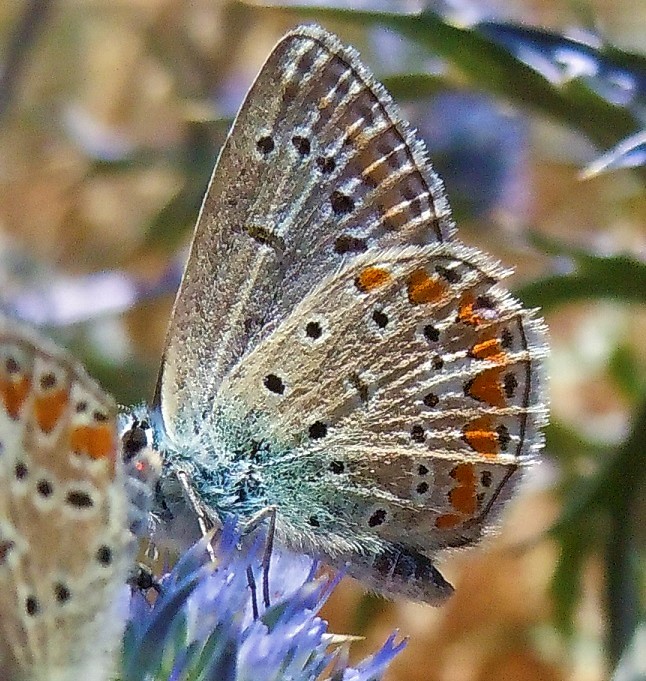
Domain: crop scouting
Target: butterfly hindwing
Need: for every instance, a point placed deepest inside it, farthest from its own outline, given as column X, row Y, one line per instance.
column 405, row 391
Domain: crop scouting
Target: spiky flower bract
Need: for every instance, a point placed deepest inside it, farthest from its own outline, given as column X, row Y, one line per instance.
column 202, row 626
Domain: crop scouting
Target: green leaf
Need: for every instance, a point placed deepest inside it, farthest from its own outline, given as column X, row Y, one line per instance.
column 620, row 277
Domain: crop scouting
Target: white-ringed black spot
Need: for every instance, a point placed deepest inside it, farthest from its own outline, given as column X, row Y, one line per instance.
column 5, row 547
column 81, row 407
column 265, row 145
column 380, row 318
column 326, row 164
column 317, row 430
column 422, row 487
column 104, row 555
column 99, row 416
column 62, row 593
column 431, row 400
column 503, row 436
column 11, row 365
column 422, row 469
column 314, row 521
column 313, row 330
column 32, row 606
column 337, row 467
column 302, row 145
column 510, row 383
column 20, row 470
column 417, row 433
column 437, row 362
column 449, row 274
column 486, row 478
column 79, row 499
column 341, row 203
column 274, row 384
column 377, row 518
column 347, row 243
column 44, row 488
column 47, row 381
column 431, row 333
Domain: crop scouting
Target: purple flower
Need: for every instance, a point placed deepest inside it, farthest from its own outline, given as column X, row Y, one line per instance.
column 202, row 625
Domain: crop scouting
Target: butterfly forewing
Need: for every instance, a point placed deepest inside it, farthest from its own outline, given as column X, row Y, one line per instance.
column 65, row 544
column 318, row 168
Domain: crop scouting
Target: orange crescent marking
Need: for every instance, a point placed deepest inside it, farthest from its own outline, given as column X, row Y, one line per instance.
column 49, row 408
column 447, row 520
column 487, row 387
column 13, row 394
column 462, row 497
column 466, row 313
column 489, row 349
column 424, row 289
column 97, row 442
column 372, row 278
column 480, row 435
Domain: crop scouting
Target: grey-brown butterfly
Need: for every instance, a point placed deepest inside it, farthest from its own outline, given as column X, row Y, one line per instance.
column 334, row 353
column 70, row 509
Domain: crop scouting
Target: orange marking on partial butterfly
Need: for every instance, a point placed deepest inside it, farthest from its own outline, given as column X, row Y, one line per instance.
column 424, row 289
column 481, row 436
column 372, row 278
column 488, row 349
column 97, row 442
column 48, row 409
column 14, row 393
column 487, row 387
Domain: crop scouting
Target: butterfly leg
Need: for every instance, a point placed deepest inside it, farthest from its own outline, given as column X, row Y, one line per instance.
column 270, row 513
column 205, row 520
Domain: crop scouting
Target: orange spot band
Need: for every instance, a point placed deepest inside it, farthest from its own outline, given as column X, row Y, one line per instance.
column 467, row 313
column 424, row 289
column 480, row 435
column 13, row 394
column 447, row 520
column 487, row 387
column 49, row 408
column 489, row 349
column 97, row 442
column 372, row 278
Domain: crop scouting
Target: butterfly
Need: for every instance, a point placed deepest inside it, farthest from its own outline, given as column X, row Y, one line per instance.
column 70, row 509
column 337, row 360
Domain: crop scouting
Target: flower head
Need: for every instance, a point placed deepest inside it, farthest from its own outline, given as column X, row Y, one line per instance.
column 202, row 625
